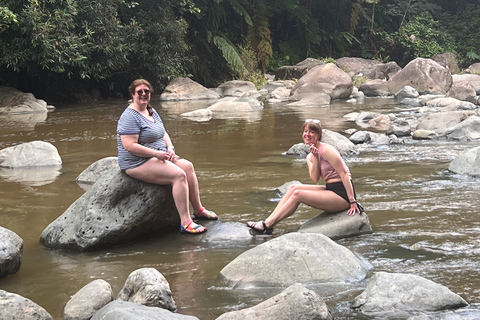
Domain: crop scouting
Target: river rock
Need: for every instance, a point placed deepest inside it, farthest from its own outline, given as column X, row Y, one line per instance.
column 295, row 257
column 406, row 92
column 233, row 104
column 115, row 210
column 439, row 122
column 467, row 130
column 467, row 162
column 473, row 79
column 326, row 78
column 235, row 88
column 450, row 104
column 447, row 60
column 382, row 122
column 11, row 252
column 425, row 75
column 148, row 287
column 200, row 115
column 13, row 101
column 88, row 300
column 338, row 141
column 468, row 313
column 187, row 89
column 122, row 310
column 297, row 71
column 94, row 171
column 318, row 99
column 16, row 307
column 30, row 154
column 473, row 68
column 370, row 137
column 363, row 119
column 464, row 91
column 356, row 66
column 400, row 128
column 338, row 225
column 375, row 88
column 398, row 293
column 294, row 303
column 424, row 135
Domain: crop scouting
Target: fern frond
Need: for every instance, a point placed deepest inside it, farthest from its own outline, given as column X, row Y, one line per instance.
column 241, row 11
column 229, row 53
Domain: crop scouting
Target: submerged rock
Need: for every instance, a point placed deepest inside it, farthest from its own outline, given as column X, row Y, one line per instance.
column 11, row 252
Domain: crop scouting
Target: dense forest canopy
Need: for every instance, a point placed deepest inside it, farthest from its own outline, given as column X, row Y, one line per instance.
column 58, row 48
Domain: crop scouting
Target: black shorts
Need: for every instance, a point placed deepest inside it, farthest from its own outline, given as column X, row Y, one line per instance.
column 339, row 189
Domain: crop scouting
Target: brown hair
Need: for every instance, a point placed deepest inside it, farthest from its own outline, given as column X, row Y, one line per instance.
column 315, row 127
column 137, row 83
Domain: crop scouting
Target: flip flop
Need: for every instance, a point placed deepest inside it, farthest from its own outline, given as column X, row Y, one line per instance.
column 260, row 226
column 193, row 230
column 210, row 215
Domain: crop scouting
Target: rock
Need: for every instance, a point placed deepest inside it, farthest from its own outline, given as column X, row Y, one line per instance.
column 375, row 88
column 450, row 104
column 13, row 101
column 412, row 102
column 88, row 300
column 148, row 287
column 295, row 302
column 11, row 252
column 297, row 71
column 425, row 75
column 467, row 162
column 424, row 135
column 468, row 313
column 467, row 130
column 447, row 60
column 320, row 99
column 381, row 122
column 231, row 104
column 121, row 310
column 94, row 171
column 235, row 88
column 383, row 71
column 115, row 210
column 295, row 257
column 338, row 141
column 439, row 122
column 406, row 92
column 30, row 154
column 280, row 93
column 327, row 78
column 474, row 68
column 338, row 225
column 16, row 307
column 400, row 128
column 370, row 137
column 464, row 91
column 473, row 79
column 397, row 293
column 363, row 119
column 187, row 89
column 360, row 137
column 200, row 115
column 356, row 66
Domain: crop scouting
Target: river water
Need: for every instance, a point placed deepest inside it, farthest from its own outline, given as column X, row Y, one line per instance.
column 425, row 218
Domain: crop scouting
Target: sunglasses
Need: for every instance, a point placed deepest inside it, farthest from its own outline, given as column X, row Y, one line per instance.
column 312, row 120
column 141, row 92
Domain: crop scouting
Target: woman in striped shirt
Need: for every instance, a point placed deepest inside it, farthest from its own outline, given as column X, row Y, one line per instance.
column 146, row 152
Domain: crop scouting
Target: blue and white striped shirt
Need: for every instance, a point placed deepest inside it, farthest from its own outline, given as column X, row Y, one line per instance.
column 150, row 134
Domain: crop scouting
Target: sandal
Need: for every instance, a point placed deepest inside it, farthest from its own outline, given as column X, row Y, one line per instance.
column 209, row 215
column 189, row 229
column 260, row 226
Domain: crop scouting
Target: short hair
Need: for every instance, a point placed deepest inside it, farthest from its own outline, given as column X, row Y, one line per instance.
column 315, row 127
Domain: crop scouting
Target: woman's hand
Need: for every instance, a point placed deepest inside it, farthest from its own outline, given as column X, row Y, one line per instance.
column 171, row 153
column 353, row 209
column 314, row 150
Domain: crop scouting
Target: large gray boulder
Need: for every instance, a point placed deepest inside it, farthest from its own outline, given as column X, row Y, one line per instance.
column 115, row 210
column 295, row 257
column 294, row 303
column 354, row 66
column 30, row 154
column 338, row 141
column 338, row 225
column 13, row 101
column 233, row 104
column 235, row 88
column 88, row 300
column 297, row 71
column 473, row 79
column 313, row 100
column 450, row 104
column 16, row 307
column 11, row 252
column 327, row 78
column 186, row 89
column 122, row 310
column 97, row 169
column 463, row 90
column 447, row 60
column 398, row 292
column 439, row 122
column 148, row 287
column 467, row 130
column 467, row 162
column 375, row 88
column 425, row 75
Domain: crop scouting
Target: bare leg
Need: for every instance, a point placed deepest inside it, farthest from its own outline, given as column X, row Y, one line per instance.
column 167, row 173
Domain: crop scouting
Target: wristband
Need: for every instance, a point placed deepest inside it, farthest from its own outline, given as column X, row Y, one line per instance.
column 353, row 202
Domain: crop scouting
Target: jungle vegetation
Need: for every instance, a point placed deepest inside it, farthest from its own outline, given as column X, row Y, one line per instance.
column 57, row 48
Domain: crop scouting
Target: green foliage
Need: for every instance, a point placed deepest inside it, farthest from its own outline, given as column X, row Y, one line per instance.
column 7, row 17
column 250, row 61
column 424, row 37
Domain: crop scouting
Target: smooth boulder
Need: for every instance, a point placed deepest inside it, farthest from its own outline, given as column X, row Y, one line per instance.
column 16, row 307
column 338, row 225
column 30, row 154
column 399, row 292
column 294, row 303
column 97, row 169
column 11, row 252
column 186, row 89
column 117, row 209
column 295, row 258
column 467, row 130
column 88, row 300
column 467, row 162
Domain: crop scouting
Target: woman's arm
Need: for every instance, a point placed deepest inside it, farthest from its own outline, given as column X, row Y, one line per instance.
column 312, row 162
column 130, row 143
column 333, row 156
